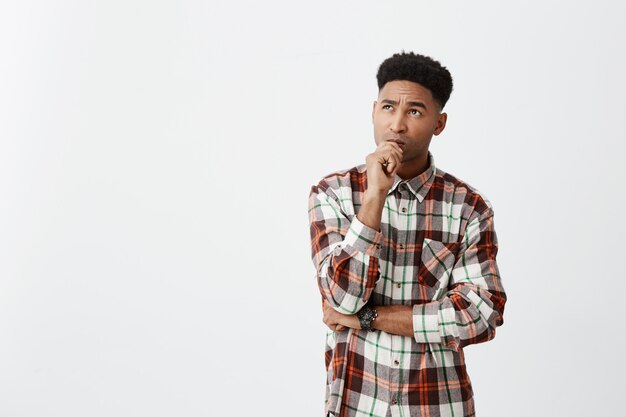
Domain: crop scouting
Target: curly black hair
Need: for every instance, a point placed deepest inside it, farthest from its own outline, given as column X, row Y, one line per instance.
column 420, row 69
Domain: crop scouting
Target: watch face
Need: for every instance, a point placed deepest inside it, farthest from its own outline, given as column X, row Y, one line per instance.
column 366, row 317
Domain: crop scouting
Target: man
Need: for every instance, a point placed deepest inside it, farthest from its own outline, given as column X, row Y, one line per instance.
column 405, row 258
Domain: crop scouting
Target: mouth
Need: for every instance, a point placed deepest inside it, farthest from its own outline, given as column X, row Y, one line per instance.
column 398, row 141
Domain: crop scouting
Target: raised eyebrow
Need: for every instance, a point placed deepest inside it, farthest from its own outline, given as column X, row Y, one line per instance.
column 410, row 103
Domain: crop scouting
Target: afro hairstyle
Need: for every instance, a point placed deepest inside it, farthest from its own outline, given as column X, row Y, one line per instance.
column 420, row 69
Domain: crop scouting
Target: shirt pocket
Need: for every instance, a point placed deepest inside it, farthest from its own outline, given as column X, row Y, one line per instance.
column 437, row 260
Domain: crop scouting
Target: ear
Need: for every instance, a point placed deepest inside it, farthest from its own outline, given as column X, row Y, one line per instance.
column 373, row 110
column 441, row 123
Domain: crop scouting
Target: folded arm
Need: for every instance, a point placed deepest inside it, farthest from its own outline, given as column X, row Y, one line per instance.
column 345, row 253
column 468, row 312
column 473, row 306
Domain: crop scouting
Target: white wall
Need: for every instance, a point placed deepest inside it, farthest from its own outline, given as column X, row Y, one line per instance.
column 155, row 165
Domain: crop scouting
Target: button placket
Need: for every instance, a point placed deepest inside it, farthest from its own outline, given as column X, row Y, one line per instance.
column 403, row 203
column 394, row 373
column 402, row 188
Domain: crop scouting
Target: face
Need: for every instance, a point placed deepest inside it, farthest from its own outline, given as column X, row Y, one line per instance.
column 407, row 111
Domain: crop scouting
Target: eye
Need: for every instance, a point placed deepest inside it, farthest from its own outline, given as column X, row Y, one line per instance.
column 417, row 111
column 386, row 105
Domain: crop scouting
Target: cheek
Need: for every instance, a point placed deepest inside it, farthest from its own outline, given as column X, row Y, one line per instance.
column 422, row 131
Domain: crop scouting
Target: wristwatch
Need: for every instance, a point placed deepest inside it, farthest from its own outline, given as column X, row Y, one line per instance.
column 366, row 316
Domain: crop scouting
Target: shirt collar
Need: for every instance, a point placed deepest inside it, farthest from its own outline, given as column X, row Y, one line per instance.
column 420, row 184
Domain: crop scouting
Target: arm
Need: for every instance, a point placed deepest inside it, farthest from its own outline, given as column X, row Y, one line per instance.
column 474, row 305
column 469, row 312
column 345, row 252
column 394, row 319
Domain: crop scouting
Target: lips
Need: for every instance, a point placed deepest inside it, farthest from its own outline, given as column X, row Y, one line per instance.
column 398, row 141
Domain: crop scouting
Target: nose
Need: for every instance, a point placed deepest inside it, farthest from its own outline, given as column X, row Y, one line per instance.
column 397, row 123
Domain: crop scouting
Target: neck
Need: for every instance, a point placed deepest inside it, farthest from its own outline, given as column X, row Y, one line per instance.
column 410, row 169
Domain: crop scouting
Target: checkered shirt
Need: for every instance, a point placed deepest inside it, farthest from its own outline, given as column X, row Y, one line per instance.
column 435, row 251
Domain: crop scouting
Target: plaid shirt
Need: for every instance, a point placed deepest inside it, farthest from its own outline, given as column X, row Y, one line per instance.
column 436, row 251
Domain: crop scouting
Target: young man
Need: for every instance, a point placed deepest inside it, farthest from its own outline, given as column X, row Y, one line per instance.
column 405, row 258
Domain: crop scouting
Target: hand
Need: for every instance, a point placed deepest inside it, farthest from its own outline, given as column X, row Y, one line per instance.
column 333, row 319
column 382, row 165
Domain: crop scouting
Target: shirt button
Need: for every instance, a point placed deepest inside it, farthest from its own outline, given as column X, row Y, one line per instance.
column 396, row 362
column 394, row 401
column 401, row 246
column 404, row 209
column 398, row 285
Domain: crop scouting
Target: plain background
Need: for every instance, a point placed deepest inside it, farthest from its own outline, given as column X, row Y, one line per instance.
column 155, row 164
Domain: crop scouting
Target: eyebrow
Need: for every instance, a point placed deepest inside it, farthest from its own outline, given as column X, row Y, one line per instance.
column 410, row 103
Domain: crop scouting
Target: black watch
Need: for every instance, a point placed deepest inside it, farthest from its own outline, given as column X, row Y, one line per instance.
column 366, row 316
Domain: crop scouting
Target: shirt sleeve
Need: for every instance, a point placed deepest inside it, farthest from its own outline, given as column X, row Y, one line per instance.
column 345, row 253
column 473, row 306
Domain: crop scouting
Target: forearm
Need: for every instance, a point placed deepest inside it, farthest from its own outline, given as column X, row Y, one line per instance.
column 394, row 319
column 371, row 211
column 345, row 252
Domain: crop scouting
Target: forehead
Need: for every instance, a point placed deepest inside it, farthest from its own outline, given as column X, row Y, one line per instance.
column 403, row 90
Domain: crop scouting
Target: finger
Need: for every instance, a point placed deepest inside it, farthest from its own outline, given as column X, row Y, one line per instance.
column 397, row 158
column 390, row 145
column 386, row 154
column 395, row 149
column 392, row 163
column 386, row 158
column 390, row 166
column 387, row 164
column 395, row 167
column 340, row 327
column 397, row 153
column 383, row 157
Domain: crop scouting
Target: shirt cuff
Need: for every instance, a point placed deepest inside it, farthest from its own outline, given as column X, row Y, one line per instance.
column 426, row 322
column 364, row 238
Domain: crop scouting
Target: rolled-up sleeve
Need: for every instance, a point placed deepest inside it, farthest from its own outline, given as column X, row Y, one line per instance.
column 473, row 306
column 345, row 253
